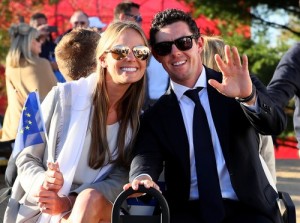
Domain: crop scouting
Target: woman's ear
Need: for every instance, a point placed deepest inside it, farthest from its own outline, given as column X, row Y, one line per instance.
column 103, row 61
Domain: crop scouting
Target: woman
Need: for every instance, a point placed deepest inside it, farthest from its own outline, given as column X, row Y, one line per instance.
column 91, row 125
column 25, row 72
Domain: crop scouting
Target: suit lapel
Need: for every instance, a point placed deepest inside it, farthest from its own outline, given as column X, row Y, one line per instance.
column 175, row 129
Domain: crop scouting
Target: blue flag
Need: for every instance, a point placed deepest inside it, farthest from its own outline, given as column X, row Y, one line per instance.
column 31, row 125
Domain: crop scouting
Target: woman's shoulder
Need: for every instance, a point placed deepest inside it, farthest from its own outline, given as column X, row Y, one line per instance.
column 41, row 60
column 85, row 85
column 40, row 64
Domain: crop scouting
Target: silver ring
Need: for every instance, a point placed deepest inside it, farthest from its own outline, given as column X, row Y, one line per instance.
column 44, row 207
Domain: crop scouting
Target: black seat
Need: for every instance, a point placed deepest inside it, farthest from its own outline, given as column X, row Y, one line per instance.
column 6, row 148
column 162, row 216
column 5, row 152
column 289, row 212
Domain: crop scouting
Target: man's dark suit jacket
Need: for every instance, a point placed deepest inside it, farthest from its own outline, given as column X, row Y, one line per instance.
column 162, row 137
column 285, row 84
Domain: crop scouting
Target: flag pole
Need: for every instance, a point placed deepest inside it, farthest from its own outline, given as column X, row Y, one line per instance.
column 50, row 157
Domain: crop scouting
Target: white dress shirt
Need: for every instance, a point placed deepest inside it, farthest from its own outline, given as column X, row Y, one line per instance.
column 187, row 109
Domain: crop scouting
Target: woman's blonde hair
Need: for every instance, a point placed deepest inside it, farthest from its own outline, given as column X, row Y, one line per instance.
column 129, row 107
column 212, row 45
column 20, row 48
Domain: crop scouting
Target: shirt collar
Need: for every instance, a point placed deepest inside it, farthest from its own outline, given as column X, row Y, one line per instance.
column 180, row 89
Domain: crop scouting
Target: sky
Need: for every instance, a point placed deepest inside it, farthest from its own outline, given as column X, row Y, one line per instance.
column 278, row 16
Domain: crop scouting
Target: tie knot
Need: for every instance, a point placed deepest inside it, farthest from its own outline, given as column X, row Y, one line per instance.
column 193, row 94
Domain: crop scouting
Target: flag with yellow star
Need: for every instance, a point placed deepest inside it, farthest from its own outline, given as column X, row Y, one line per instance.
column 31, row 124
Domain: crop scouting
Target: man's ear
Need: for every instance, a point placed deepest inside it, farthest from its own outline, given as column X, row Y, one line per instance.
column 200, row 43
column 155, row 56
column 122, row 17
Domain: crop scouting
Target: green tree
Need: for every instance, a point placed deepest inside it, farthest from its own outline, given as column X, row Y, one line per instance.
column 244, row 12
column 235, row 19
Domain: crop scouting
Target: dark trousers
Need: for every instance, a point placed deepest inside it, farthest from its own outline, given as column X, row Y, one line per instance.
column 235, row 212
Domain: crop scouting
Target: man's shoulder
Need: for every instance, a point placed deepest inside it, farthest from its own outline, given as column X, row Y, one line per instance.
column 295, row 50
column 210, row 73
column 61, row 36
column 296, row 45
column 162, row 106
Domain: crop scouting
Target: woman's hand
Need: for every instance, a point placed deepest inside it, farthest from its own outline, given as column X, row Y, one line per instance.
column 54, row 179
column 49, row 202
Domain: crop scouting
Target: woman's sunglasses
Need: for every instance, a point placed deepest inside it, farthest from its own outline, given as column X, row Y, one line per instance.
column 183, row 43
column 119, row 52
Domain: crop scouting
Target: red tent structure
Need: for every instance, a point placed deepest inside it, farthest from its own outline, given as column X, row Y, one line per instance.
column 59, row 14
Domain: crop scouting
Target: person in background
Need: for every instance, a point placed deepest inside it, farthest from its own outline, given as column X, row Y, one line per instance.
column 128, row 11
column 285, row 84
column 40, row 22
column 75, row 61
column 78, row 19
column 213, row 173
column 92, row 124
column 157, row 77
column 95, row 22
column 78, row 45
column 157, row 82
column 213, row 45
column 25, row 72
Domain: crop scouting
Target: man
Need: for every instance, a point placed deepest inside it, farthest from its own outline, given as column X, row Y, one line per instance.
column 223, row 181
column 285, row 84
column 216, row 45
column 78, row 19
column 72, row 46
column 129, row 11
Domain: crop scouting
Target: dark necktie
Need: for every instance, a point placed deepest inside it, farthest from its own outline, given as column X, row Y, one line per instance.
column 208, row 182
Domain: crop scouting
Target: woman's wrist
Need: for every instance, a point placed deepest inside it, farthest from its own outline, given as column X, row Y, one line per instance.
column 68, row 203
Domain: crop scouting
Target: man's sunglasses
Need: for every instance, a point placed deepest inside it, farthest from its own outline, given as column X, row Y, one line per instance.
column 79, row 23
column 137, row 18
column 183, row 43
column 119, row 52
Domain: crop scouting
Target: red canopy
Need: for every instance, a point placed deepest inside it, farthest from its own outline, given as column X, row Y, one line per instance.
column 59, row 15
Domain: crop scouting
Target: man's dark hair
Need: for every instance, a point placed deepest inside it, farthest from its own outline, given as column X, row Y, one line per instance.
column 38, row 16
column 168, row 17
column 124, row 7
